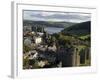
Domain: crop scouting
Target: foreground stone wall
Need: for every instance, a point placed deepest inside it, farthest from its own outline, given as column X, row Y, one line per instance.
column 72, row 57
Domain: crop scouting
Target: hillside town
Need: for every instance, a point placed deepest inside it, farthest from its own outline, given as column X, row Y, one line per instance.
column 42, row 50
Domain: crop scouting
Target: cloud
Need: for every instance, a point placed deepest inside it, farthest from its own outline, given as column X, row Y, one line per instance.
column 56, row 16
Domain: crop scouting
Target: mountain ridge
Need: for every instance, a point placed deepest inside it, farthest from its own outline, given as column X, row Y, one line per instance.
column 79, row 29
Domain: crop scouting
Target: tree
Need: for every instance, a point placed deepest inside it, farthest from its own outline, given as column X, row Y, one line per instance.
column 26, row 48
column 53, row 39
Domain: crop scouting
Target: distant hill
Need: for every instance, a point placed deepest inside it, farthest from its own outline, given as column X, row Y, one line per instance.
column 80, row 29
column 48, row 23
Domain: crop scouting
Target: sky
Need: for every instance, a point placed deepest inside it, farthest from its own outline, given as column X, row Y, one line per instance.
column 56, row 16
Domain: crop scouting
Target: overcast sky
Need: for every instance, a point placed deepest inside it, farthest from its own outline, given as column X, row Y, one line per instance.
column 56, row 16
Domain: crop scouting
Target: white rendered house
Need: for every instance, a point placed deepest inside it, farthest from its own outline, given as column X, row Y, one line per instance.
column 38, row 40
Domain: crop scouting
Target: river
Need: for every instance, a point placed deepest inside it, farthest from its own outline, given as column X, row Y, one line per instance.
column 52, row 30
